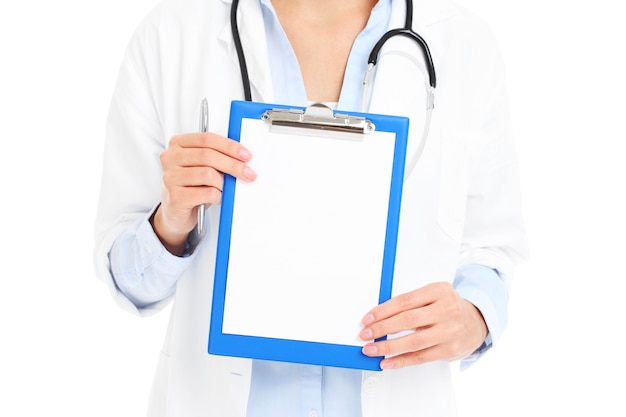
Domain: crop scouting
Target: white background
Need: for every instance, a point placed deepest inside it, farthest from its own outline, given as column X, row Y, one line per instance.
column 67, row 349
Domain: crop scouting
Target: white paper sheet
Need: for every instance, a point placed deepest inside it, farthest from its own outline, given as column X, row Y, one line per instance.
column 308, row 235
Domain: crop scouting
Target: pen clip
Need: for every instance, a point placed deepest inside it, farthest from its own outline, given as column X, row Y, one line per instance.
column 204, row 115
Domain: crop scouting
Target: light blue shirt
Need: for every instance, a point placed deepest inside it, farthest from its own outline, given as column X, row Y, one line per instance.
column 277, row 389
column 286, row 75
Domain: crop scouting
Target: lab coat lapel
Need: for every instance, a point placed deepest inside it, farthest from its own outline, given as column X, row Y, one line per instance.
column 252, row 35
column 428, row 12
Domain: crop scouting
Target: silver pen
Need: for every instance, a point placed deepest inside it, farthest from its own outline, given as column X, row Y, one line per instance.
column 204, row 127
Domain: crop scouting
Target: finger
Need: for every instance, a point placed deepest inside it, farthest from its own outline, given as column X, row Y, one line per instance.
column 193, row 177
column 189, row 198
column 407, row 301
column 228, row 165
column 219, row 143
column 430, row 354
column 448, row 351
column 190, row 187
column 413, row 319
column 415, row 341
column 190, row 158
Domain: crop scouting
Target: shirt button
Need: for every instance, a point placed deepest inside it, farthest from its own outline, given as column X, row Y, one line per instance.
column 313, row 413
column 370, row 384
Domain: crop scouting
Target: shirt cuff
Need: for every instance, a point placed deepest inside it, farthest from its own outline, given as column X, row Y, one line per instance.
column 143, row 270
column 483, row 287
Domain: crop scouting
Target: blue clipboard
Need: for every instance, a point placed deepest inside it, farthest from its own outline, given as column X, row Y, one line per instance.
column 294, row 271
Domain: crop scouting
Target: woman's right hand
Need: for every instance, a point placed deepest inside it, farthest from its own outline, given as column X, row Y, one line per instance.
column 193, row 174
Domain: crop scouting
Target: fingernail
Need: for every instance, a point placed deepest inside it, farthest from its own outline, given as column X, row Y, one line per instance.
column 387, row 364
column 366, row 334
column 244, row 154
column 370, row 350
column 368, row 319
column 249, row 173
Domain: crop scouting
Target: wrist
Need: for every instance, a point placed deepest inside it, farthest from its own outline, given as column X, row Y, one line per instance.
column 172, row 239
column 482, row 331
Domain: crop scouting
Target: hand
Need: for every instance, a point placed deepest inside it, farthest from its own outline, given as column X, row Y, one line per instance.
column 193, row 174
column 444, row 327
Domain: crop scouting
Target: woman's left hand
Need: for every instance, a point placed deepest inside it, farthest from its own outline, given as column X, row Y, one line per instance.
column 443, row 326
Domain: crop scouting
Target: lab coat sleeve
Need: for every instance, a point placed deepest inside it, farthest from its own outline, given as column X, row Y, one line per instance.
column 142, row 268
column 494, row 233
column 131, row 175
column 483, row 287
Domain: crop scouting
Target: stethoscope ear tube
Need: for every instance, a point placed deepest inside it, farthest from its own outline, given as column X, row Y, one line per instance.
column 409, row 33
column 411, row 163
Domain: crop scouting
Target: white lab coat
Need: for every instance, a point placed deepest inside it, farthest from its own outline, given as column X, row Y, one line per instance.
column 460, row 204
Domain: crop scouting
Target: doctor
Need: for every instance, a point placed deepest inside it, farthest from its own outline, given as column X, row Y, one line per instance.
column 461, row 230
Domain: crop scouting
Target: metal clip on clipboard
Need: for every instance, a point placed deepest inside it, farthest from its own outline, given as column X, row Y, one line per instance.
column 319, row 116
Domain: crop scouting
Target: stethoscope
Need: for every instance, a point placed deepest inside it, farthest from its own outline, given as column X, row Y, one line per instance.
column 406, row 31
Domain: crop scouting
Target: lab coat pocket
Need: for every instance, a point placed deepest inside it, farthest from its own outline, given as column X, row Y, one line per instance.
column 457, row 148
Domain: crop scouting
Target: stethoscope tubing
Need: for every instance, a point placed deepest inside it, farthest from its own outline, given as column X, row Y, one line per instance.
column 409, row 33
column 406, row 31
column 243, row 66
